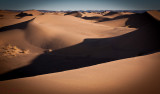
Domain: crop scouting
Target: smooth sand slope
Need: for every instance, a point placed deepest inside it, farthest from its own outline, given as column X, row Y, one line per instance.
column 54, row 43
column 138, row 75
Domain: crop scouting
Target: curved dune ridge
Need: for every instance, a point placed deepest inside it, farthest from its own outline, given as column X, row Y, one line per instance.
column 123, row 44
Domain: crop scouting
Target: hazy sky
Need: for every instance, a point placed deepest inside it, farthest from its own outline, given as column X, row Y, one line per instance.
column 80, row 4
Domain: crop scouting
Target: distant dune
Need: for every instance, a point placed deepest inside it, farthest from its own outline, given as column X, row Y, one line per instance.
column 155, row 14
column 33, row 12
column 74, row 13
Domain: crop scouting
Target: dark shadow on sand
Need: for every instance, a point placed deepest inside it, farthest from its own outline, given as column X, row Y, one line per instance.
column 21, row 25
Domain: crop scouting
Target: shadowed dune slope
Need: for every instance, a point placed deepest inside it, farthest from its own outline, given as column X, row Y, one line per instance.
column 140, row 41
column 133, row 20
column 23, row 15
column 138, row 75
column 119, row 19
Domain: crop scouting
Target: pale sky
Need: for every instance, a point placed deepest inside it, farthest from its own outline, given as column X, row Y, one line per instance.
column 80, row 4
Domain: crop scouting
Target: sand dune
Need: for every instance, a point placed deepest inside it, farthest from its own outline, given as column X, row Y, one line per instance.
column 58, row 42
column 33, row 12
column 128, row 44
column 114, row 19
column 136, row 75
column 10, row 18
column 7, row 14
column 154, row 14
column 121, row 19
column 91, row 14
column 56, row 35
column 74, row 13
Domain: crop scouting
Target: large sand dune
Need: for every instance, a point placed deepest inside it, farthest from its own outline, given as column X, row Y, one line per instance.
column 138, row 75
column 53, row 42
